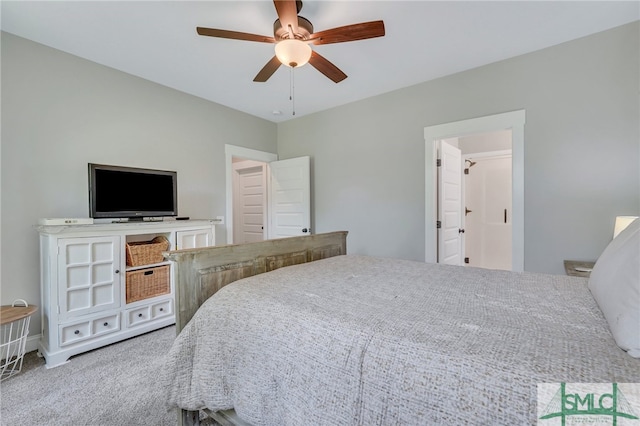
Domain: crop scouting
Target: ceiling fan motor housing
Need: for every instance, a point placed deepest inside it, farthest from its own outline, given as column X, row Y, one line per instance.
column 305, row 29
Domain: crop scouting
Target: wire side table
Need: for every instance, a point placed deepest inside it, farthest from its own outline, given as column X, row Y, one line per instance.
column 14, row 328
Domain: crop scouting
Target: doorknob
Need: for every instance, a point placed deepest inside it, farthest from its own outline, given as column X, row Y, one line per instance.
column 460, row 231
column 305, row 230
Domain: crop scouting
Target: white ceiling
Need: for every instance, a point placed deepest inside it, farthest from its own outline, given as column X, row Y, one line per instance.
column 424, row 40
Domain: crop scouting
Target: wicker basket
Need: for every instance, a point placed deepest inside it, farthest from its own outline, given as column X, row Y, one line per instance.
column 148, row 282
column 146, row 252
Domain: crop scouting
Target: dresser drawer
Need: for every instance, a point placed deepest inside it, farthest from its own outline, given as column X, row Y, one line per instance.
column 143, row 314
column 138, row 316
column 162, row 309
column 77, row 332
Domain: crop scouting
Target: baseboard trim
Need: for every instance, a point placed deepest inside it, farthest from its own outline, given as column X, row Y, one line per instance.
column 32, row 343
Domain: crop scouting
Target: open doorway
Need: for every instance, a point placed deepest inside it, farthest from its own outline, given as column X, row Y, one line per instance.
column 513, row 122
column 487, row 199
column 474, row 199
column 285, row 197
column 238, row 161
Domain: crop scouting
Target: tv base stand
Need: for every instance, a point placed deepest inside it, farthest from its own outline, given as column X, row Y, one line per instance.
column 85, row 281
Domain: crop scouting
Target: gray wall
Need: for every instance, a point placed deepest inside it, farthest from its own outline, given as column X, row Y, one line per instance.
column 581, row 149
column 60, row 112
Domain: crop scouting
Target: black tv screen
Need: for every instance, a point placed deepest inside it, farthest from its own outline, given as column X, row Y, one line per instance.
column 128, row 192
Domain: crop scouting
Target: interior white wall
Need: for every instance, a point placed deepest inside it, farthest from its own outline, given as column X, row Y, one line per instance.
column 581, row 149
column 60, row 112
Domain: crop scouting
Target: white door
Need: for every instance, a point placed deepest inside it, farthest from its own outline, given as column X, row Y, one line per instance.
column 250, row 198
column 450, row 204
column 88, row 275
column 488, row 224
column 290, row 198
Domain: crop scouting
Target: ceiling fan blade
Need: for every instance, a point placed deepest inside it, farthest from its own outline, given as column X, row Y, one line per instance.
column 326, row 67
column 352, row 32
column 235, row 35
column 287, row 13
column 268, row 70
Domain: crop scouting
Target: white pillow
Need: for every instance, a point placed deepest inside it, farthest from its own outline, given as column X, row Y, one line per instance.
column 615, row 285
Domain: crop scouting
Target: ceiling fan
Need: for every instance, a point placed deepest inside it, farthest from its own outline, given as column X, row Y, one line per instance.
column 292, row 35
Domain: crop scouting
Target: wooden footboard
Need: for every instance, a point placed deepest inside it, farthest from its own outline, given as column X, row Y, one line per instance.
column 199, row 273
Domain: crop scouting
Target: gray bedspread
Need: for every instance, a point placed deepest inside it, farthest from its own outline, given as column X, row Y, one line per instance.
column 355, row 340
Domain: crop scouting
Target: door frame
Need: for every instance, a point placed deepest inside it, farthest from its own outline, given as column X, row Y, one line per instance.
column 231, row 151
column 514, row 121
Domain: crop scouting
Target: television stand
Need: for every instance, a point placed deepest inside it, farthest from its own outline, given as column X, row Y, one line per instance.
column 91, row 297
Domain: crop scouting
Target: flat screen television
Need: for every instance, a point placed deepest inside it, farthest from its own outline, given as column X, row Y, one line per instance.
column 132, row 193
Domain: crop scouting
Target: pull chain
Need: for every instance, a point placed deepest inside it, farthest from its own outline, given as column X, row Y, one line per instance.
column 292, row 91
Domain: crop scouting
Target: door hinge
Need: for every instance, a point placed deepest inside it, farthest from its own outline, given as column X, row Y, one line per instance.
column 466, row 260
column 438, row 162
column 438, row 224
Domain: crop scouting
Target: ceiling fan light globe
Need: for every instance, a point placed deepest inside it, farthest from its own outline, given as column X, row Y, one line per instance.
column 293, row 53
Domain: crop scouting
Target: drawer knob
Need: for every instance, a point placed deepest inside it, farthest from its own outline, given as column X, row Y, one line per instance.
column 161, row 309
column 76, row 332
column 106, row 324
column 139, row 315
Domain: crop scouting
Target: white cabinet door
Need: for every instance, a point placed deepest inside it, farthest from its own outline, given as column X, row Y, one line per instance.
column 290, row 198
column 88, row 275
column 195, row 238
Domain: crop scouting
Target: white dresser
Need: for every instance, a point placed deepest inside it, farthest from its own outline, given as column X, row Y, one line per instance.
column 84, row 278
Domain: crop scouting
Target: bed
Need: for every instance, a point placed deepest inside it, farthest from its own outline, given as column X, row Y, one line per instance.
column 344, row 339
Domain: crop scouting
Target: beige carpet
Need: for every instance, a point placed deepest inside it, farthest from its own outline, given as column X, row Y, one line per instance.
column 114, row 385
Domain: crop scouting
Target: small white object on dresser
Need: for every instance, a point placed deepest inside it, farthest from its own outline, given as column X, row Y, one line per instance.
column 84, row 277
